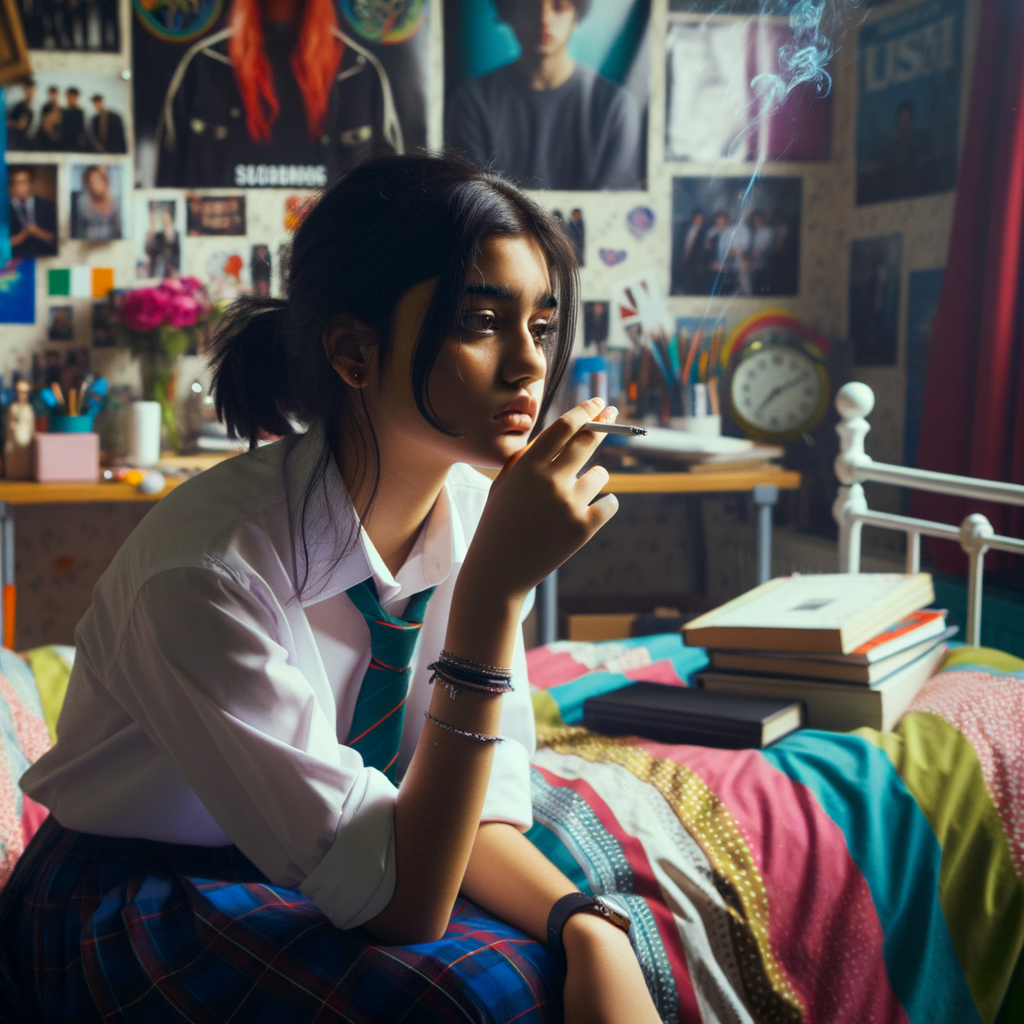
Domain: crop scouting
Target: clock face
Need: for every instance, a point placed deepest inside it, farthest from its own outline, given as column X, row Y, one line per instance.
column 778, row 390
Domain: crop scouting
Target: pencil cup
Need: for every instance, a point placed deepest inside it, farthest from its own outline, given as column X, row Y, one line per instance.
column 67, row 458
column 145, row 434
column 72, row 424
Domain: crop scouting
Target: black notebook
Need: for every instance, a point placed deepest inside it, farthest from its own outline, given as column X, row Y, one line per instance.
column 678, row 714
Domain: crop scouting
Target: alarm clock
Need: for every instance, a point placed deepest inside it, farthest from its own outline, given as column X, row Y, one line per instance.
column 778, row 387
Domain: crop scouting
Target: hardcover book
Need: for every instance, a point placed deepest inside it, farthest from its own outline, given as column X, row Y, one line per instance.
column 679, row 714
column 829, row 613
column 839, row 707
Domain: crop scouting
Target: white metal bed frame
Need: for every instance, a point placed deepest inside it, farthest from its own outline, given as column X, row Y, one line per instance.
column 853, row 466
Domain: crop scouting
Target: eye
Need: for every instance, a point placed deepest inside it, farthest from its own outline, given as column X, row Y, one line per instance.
column 544, row 330
column 478, row 322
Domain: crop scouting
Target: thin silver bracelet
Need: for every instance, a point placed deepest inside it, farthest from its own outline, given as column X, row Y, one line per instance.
column 482, row 737
column 452, row 685
column 475, row 666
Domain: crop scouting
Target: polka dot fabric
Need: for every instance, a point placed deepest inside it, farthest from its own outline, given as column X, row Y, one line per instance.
column 988, row 709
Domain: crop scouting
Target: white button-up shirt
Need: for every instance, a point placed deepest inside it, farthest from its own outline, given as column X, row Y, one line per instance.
column 209, row 705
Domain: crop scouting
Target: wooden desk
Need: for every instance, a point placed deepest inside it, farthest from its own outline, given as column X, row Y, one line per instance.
column 763, row 484
column 28, row 492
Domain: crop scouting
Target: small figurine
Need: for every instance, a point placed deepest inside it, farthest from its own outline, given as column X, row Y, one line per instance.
column 20, row 424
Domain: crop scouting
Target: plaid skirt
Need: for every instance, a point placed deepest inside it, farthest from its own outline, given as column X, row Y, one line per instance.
column 93, row 928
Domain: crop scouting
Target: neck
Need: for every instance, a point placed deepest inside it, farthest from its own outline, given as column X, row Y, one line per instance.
column 279, row 12
column 410, row 481
column 547, row 70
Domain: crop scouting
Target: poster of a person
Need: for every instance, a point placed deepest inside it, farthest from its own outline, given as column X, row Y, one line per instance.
column 97, row 196
column 552, row 93
column 908, row 111
column 32, row 210
column 248, row 94
column 158, row 234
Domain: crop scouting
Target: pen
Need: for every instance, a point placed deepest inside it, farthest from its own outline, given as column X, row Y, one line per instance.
column 615, row 428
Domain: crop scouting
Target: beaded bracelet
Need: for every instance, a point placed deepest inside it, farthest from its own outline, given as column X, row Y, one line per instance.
column 469, row 676
column 482, row 737
column 475, row 666
column 453, row 683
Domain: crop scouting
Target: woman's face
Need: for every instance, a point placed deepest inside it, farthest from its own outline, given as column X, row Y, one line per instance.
column 487, row 383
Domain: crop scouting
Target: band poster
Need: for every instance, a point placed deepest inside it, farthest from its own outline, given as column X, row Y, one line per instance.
column 226, row 98
column 908, row 115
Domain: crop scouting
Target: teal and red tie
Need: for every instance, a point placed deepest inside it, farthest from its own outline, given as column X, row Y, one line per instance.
column 380, row 710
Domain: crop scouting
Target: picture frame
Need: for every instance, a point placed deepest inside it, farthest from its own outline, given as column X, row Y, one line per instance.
column 14, row 59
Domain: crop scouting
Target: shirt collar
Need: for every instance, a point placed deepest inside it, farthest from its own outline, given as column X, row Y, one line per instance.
column 331, row 518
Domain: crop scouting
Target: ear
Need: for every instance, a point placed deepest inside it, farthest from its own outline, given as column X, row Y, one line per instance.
column 351, row 348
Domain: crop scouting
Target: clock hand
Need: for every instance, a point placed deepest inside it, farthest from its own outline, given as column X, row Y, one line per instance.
column 778, row 389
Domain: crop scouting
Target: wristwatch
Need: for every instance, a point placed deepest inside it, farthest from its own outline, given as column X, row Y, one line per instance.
column 579, row 902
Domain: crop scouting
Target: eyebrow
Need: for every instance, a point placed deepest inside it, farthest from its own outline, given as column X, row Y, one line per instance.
column 494, row 291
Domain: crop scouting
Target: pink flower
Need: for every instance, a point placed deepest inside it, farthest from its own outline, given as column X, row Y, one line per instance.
column 193, row 286
column 144, row 309
column 172, row 286
column 183, row 311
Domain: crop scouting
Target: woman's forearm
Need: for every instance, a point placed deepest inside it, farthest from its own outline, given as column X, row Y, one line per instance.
column 437, row 813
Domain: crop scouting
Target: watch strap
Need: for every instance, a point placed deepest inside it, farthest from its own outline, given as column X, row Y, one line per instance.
column 563, row 909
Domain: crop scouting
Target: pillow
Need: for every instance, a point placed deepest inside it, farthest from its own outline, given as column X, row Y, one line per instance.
column 24, row 738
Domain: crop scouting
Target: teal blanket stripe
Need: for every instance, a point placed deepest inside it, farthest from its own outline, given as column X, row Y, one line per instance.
column 556, row 851
column 892, row 843
column 570, row 696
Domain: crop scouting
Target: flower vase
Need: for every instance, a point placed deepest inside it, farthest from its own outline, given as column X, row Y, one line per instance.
column 159, row 379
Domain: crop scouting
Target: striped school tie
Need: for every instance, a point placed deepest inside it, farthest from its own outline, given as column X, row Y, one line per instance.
column 380, row 710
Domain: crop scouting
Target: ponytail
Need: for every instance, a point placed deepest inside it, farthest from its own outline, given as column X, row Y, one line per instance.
column 250, row 381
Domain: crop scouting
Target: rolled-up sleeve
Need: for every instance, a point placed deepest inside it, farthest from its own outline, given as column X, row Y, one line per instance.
column 204, row 670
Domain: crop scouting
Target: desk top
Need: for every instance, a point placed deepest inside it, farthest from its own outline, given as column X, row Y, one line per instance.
column 28, row 492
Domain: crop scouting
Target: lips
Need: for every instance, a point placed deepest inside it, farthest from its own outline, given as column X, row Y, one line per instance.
column 519, row 414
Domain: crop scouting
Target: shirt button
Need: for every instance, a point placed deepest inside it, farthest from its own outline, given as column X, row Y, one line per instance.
column 197, row 126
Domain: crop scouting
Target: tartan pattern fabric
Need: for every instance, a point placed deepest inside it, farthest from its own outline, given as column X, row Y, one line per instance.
column 379, row 714
column 95, row 928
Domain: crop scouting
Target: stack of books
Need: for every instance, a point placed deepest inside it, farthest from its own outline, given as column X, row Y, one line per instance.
column 855, row 649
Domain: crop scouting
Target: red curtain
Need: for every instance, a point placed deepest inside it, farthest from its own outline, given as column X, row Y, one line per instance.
column 973, row 417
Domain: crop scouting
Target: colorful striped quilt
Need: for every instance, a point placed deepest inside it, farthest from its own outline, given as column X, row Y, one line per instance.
column 853, row 877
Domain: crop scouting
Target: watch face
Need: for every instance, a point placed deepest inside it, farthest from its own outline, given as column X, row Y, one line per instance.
column 777, row 390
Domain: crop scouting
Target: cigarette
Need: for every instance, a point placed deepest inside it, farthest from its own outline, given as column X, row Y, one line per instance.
column 615, row 428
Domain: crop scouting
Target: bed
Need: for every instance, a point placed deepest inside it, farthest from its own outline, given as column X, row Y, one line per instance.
column 861, row 877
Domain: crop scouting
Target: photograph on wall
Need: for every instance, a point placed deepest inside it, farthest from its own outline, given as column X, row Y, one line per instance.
column 18, row 292
column 68, row 113
column 575, row 230
column 734, row 237
column 719, row 110
column 923, row 288
column 908, row 102
column 875, row 265
column 260, row 266
column 60, row 323
column 215, row 215
column 554, row 101
column 595, row 323
column 89, row 27
column 159, row 226
column 97, row 202
column 102, row 325
column 218, row 104
column 32, row 209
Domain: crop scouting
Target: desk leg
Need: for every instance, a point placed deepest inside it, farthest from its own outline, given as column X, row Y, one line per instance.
column 547, row 609
column 7, row 604
column 765, row 497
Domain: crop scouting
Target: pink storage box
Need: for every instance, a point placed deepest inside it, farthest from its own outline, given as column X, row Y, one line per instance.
column 67, row 458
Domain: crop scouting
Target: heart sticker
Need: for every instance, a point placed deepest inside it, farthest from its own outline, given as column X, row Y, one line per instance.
column 611, row 256
column 640, row 220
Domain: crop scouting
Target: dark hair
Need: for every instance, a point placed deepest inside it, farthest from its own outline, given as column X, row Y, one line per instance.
column 387, row 226
column 21, row 169
column 506, row 7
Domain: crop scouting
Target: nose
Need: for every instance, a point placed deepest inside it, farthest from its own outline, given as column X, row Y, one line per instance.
column 523, row 359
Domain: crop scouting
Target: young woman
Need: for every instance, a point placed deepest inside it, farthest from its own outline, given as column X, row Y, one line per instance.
column 240, row 709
